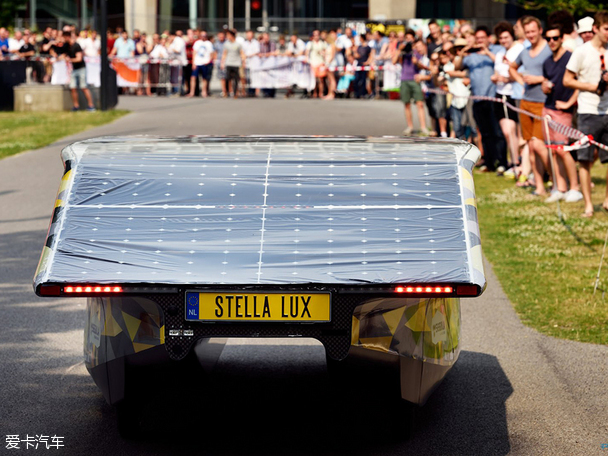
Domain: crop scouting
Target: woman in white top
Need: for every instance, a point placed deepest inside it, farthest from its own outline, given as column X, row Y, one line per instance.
column 159, row 50
column 505, row 86
column 315, row 54
column 157, row 73
column 331, row 63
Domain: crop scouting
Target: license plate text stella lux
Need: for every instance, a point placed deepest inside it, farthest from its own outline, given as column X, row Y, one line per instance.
column 263, row 307
column 242, row 307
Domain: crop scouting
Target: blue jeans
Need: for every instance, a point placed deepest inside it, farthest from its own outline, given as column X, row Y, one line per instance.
column 360, row 79
column 456, row 115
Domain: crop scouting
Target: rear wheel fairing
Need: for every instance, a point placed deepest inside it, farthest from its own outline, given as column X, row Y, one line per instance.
column 427, row 329
column 117, row 327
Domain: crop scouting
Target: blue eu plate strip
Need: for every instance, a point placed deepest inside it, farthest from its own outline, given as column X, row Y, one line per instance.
column 191, row 306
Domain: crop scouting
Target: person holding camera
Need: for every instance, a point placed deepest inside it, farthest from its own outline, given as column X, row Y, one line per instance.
column 479, row 60
column 505, row 88
column 410, row 83
column 586, row 71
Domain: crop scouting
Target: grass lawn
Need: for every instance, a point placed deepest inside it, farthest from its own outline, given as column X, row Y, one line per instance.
column 21, row 131
column 547, row 267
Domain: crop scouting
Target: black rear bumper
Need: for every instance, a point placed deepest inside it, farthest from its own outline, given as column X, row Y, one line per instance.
column 180, row 335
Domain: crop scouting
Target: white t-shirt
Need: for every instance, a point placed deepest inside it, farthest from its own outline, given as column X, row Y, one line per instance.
column 501, row 66
column 159, row 52
column 456, row 86
column 251, row 48
column 202, row 52
column 299, row 47
column 178, row 49
column 343, row 42
column 14, row 45
column 90, row 47
column 585, row 64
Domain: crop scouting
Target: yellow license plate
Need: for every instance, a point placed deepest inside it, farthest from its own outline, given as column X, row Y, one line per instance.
column 237, row 307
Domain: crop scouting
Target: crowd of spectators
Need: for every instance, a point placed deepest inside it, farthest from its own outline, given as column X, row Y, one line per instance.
column 558, row 71
column 336, row 57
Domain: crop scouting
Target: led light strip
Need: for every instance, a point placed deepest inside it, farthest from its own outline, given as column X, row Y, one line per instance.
column 92, row 289
column 424, row 289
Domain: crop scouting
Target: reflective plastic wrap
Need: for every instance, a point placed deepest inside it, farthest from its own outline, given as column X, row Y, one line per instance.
column 117, row 327
column 265, row 210
column 426, row 329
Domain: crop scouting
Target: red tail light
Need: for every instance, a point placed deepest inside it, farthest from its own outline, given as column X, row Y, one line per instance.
column 425, row 289
column 70, row 289
column 451, row 290
column 100, row 290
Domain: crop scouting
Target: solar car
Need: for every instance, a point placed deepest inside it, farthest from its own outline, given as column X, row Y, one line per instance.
column 366, row 244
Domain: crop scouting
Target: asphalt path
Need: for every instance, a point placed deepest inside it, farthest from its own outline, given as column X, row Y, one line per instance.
column 512, row 391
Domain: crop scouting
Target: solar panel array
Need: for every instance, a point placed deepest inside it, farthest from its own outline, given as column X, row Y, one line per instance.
column 262, row 211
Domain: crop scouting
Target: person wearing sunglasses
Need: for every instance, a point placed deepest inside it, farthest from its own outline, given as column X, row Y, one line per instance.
column 559, row 105
column 585, row 71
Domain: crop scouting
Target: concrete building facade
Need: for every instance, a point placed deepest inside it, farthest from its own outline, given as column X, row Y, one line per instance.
column 281, row 15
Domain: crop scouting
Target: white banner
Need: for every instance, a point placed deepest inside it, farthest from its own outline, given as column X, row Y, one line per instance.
column 280, row 72
column 93, row 71
column 392, row 76
column 61, row 72
column 61, row 75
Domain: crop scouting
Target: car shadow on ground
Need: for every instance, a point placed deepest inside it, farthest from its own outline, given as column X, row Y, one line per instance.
column 267, row 404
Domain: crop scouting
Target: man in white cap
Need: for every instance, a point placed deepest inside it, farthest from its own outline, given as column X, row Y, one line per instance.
column 585, row 29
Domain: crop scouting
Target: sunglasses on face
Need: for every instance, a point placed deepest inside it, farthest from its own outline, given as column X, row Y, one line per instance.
column 554, row 38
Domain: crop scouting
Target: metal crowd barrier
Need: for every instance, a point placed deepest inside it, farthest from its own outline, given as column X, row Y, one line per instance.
column 166, row 75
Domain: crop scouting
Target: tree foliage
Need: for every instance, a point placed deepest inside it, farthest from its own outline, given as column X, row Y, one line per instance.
column 576, row 7
column 8, row 10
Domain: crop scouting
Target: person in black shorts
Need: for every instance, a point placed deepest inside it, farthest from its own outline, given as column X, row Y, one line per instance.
column 587, row 71
column 233, row 58
column 72, row 53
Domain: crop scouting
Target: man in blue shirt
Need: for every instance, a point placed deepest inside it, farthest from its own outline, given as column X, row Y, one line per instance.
column 479, row 60
column 3, row 41
column 124, row 47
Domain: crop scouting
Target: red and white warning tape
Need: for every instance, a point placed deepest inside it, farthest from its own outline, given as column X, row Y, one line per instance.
column 133, row 60
column 580, row 144
column 583, row 140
